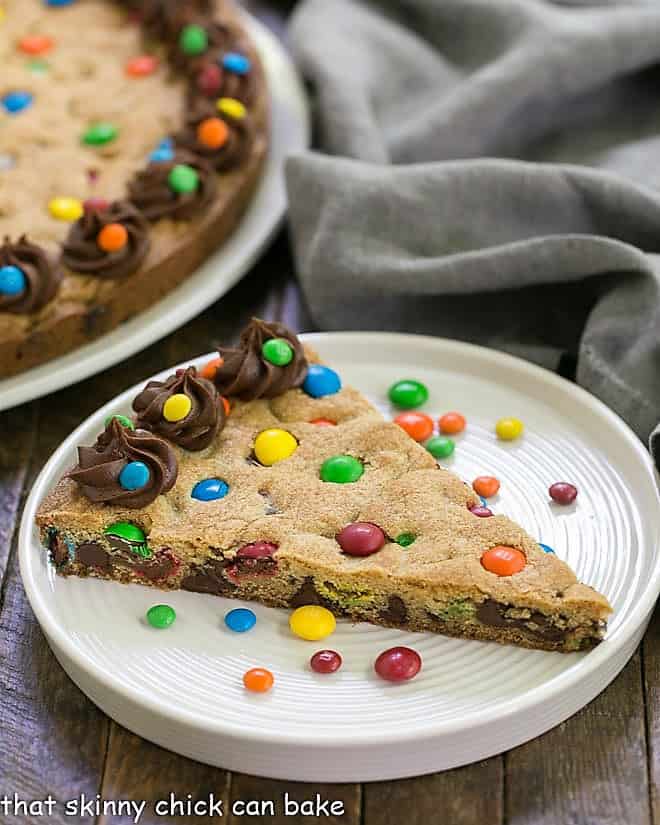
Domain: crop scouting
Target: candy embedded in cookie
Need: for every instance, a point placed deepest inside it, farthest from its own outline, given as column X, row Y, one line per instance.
column 130, row 468
column 221, row 135
column 185, row 409
column 247, row 373
column 179, row 188
column 29, row 278
column 228, row 75
column 107, row 243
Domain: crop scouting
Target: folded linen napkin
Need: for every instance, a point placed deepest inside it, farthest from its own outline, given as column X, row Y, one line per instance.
column 489, row 170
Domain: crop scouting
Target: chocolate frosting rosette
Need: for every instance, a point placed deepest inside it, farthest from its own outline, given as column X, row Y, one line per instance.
column 107, row 243
column 216, row 37
column 177, row 189
column 163, row 19
column 226, row 73
column 222, row 133
column 268, row 361
column 112, row 470
column 185, row 409
column 33, row 275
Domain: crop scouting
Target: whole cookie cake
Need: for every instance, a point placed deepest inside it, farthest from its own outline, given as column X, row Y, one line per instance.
column 261, row 477
column 132, row 135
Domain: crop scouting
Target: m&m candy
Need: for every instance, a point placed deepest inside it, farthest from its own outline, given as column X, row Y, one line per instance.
column 36, row 44
column 236, row 63
column 209, row 79
column 408, row 394
column 164, row 152
column 12, row 281
column 112, row 238
column 481, row 511
column 98, row 134
column 508, row 429
column 209, row 369
column 341, row 469
column 321, row 381
column 37, row 66
column 503, row 560
column 258, row 680
column 562, row 492
column 161, row 616
column 231, row 107
column 212, row 133
column 274, row 445
column 134, row 476
column 193, row 39
column 122, row 419
column 210, row 489
column 240, row 620
column 419, row 426
column 398, row 664
column 486, row 486
column 58, row 3
column 440, row 446
column 405, row 539
column 177, row 407
column 95, row 205
column 546, row 548
column 141, row 66
column 66, row 209
column 131, row 535
column 323, row 422
column 278, row 352
column 183, row 179
column 257, row 550
column 452, row 423
column 325, row 661
column 361, row 538
column 312, row 622
column 15, row 102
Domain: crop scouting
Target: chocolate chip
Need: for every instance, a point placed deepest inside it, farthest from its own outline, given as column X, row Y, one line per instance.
column 493, row 613
column 91, row 554
column 396, row 611
column 307, row 594
column 59, row 552
column 207, row 579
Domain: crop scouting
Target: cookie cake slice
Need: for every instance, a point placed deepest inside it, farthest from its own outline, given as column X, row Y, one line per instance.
column 261, row 477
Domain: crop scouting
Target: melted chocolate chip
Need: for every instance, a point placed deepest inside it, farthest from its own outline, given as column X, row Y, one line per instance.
column 493, row 613
column 159, row 566
column 59, row 552
column 308, row 594
column 207, row 579
column 396, row 611
column 91, row 554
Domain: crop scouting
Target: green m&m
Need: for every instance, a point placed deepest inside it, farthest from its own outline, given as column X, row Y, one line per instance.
column 193, row 39
column 277, row 351
column 440, row 446
column 131, row 536
column 408, row 394
column 122, row 419
column 341, row 469
column 183, row 179
column 161, row 616
column 99, row 134
column 405, row 539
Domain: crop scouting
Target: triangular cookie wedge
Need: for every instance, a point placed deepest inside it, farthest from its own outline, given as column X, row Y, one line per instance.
column 241, row 481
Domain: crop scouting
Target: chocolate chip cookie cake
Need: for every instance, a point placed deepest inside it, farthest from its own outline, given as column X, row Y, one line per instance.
column 132, row 136
column 261, row 477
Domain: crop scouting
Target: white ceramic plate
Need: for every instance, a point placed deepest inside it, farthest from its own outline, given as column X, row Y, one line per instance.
column 289, row 134
column 182, row 687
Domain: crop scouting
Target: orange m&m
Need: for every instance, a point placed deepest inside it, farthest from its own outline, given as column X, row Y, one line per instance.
column 212, row 133
column 503, row 560
column 36, row 44
column 141, row 66
column 323, row 422
column 112, row 237
column 452, row 423
column 258, row 680
column 209, row 369
column 486, row 486
column 418, row 425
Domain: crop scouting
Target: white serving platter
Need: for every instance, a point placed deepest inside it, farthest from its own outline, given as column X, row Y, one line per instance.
column 290, row 131
column 182, row 688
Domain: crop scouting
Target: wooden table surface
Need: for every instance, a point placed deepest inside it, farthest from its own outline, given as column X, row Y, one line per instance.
column 600, row 767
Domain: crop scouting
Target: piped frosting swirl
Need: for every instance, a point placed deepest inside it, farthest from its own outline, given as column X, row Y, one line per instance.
column 42, row 276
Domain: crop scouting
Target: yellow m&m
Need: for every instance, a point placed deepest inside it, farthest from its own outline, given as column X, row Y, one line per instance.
column 66, row 209
column 508, row 429
column 312, row 622
column 271, row 446
column 177, row 407
column 232, row 107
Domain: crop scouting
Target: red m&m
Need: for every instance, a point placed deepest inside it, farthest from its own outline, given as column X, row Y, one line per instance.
column 361, row 539
column 325, row 661
column 562, row 492
column 398, row 664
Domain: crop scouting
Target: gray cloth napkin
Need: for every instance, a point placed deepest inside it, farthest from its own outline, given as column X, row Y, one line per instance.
column 490, row 172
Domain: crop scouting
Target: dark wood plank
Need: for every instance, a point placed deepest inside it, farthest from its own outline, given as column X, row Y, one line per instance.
column 301, row 797
column 463, row 796
column 590, row 770
column 139, row 771
column 651, row 672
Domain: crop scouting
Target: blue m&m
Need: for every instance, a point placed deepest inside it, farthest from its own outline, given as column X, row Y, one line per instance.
column 164, row 152
column 210, row 489
column 134, row 475
column 15, row 102
column 321, row 381
column 546, row 548
column 58, row 3
column 236, row 63
column 12, row 280
column 240, row 620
